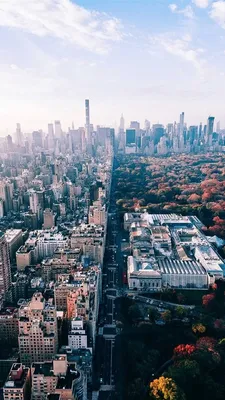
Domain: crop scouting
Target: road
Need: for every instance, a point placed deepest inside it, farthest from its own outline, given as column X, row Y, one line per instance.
column 111, row 283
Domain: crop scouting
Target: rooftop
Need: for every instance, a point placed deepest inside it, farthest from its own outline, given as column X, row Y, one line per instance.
column 169, row 266
column 43, row 368
column 11, row 234
column 17, row 377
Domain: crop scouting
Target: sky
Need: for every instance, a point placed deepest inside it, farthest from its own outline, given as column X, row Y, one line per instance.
column 147, row 59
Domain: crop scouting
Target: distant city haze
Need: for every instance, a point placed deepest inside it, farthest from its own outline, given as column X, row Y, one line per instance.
column 145, row 59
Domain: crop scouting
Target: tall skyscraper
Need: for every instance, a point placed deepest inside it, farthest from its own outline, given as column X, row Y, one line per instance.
column 135, row 125
column 209, row 131
column 38, row 335
column 147, row 125
column 58, row 130
column 87, row 126
column 130, row 137
column 218, row 127
column 6, row 194
column 181, row 124
column 5, row 269
column 37, row 138
column 19, row 135
column 200, row 131
column 122, row 124
column 51, row 129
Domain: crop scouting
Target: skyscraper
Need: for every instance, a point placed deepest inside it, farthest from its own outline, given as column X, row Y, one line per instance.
column 58, row 130
column 19, row 135
column 181, row 124
column 130, row 137
column 122, row 123
column 6, row 194
column 209, row 131
column 218, row 127
column 87, row 126
column 147, row 125
column 5, row 269
column 200, row 131
column 38, row 335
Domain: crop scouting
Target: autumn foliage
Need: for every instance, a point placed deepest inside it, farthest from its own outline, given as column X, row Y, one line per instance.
column 198, row 328
column 165, row 388
column 183, row 350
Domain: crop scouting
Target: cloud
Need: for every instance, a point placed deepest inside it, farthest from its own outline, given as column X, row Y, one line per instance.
column 201, row 3
column 64, row 20
column 217, row 12
column 186, row 12
column 181, row 48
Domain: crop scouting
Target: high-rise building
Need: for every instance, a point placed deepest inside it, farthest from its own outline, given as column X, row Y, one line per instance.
column 1, row 208
column 87, row 126
column 77, row 338
column 37, row 138
column 5, row 269
column 51, row 136
column 200, row 131
column 19, row 135
column 9, row 143
column 147, row 125
column 122, row 124
column 192, row 134
column 51, row 129
column 58, row 130
column 218, row 127
column 135, row 125
column 6, row 194
column 181, row 124
column 49, row 219
column 17, row 385
column 101, row 135
column 130, row 137
column 210, row 126
column 36, row 200
column 57, row 379
column 38, row 336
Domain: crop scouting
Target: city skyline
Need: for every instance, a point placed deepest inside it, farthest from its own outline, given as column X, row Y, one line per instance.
column 127, row 124
column 168, row 58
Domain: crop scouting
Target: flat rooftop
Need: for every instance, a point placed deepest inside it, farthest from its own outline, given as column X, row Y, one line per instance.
column 11, row 234
column 45, row 368
column 169, row 266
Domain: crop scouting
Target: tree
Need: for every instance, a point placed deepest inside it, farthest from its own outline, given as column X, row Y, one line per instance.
column 198, row 328
column 165, row 388
column 184, row 351
column 208, row 299
column 207, row 343
column 166, row 316
column 184, row 373
column 153, row 314
column 134, row 313
column 180, row 312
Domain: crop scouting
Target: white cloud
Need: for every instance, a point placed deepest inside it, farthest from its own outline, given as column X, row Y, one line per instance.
column 181, row 48
column 62, row 19
column 186, row 12
column 217, row 12
column 201, row 3
column 173, row 7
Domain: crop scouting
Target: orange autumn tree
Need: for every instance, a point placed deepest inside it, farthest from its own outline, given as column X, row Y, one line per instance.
column 165, row 388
